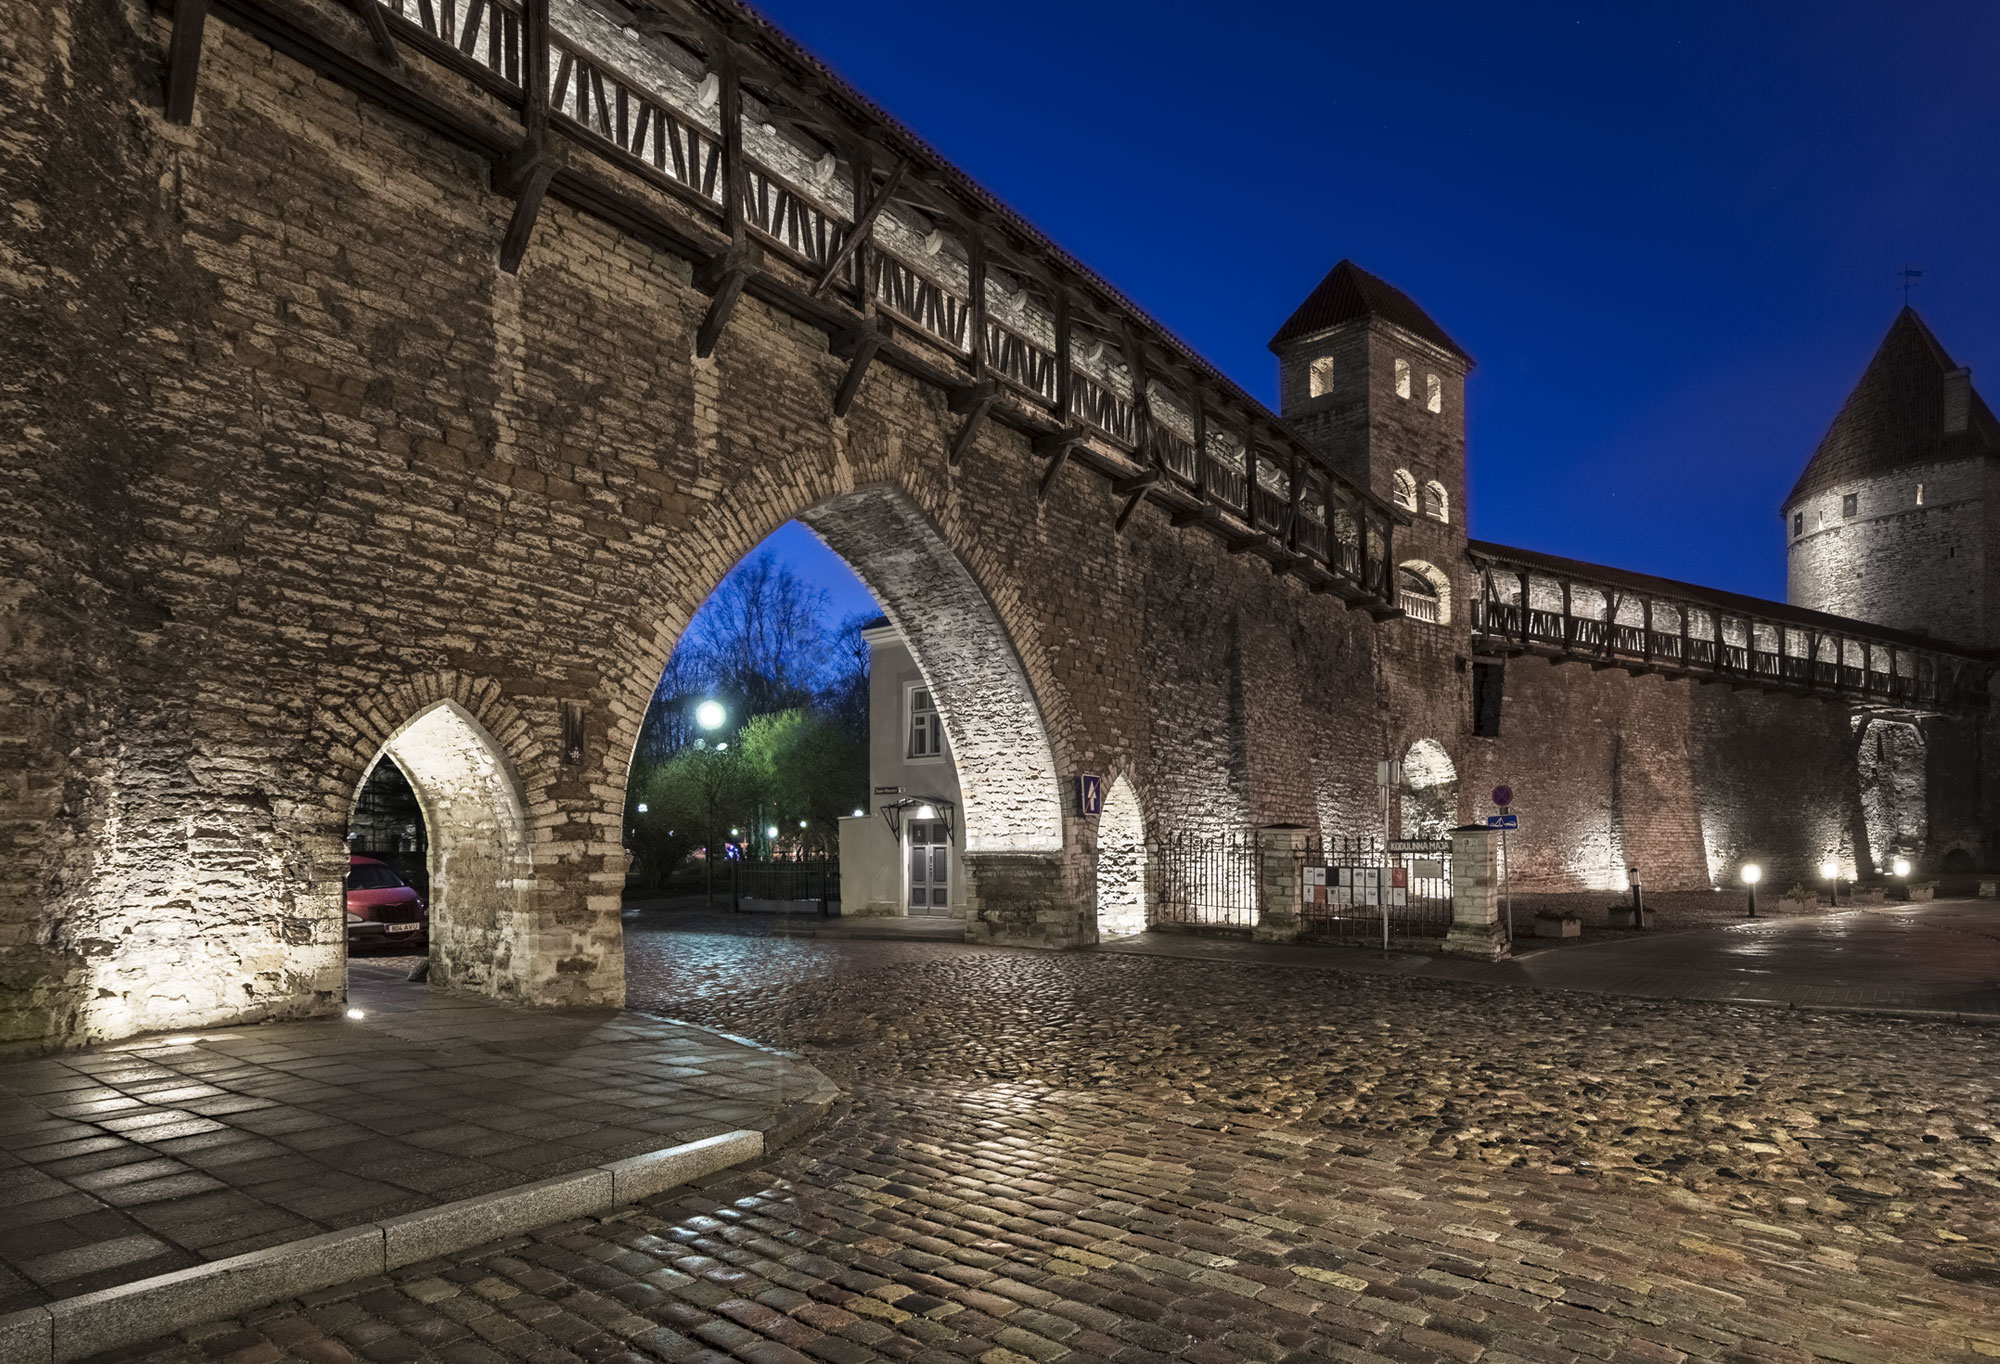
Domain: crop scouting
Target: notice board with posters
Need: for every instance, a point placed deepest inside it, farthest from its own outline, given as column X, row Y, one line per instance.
column 1356, row 886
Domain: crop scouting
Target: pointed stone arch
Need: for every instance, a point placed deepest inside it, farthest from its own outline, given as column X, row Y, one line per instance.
column 1430, row 790
column 1121, row 862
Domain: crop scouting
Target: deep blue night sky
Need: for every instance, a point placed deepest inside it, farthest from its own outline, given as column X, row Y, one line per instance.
column 1669, row 234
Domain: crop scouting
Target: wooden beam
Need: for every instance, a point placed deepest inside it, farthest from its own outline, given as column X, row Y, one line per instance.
column 534, row 185
column 535, row 34
column 377, row 25
column 1136, row 483
column 723, row 278
column 864, row 227
column 1056, row 462
column 1125, row 512
column 972, row 403
column 735, row 181
column 859, row 345
column 184, row 59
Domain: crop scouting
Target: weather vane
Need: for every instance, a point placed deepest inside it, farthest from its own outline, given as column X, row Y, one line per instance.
column 1910, row 277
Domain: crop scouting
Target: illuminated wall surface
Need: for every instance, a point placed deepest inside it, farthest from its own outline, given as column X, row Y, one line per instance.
column 296, row 477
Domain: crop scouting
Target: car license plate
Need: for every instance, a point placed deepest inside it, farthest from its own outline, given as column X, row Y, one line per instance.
column 402, row 928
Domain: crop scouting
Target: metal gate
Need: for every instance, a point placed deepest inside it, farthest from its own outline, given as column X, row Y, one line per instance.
column 798, row 879
column 1359, row 889
column 1205, row 881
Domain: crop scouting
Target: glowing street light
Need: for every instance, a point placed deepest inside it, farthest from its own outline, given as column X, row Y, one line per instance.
column 355, row 1013
column 1901, row 866
column 858, row 814
column 642, row 807
column 771, row 832
column 1752, row 874
column 1830, row 870
column 710, row 715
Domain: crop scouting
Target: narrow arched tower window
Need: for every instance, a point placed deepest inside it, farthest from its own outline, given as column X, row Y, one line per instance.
column 1433, row 393
column 1319, row 377
column 1402, row 378
column 1436, row 504
column 1406, row 490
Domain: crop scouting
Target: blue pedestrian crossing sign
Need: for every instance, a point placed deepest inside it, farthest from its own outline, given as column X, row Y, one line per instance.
column 1090, row 795
column 1503, row 821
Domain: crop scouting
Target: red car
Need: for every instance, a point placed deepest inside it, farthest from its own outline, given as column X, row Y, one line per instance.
column 381, row 909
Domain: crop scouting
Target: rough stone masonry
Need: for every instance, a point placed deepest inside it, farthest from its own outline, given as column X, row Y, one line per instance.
column 297, row 472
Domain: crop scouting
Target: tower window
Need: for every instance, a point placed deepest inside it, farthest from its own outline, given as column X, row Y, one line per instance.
column 1319, row 377
column 1433, row 393
column 1405, row 492
column 1437, row 506
column 1850, row 504
column 1920, row 494
column 1798, row 524
column 1402, row 378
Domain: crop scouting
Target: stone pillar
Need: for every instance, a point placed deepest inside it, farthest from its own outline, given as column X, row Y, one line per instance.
column 1476, row 927
column 1029, row 899
column 1281, row 855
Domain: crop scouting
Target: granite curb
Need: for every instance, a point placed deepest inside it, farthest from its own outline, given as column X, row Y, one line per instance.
column 77, row 1327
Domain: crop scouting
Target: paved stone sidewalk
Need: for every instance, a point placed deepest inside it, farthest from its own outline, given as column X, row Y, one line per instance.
column 1096, row 1156
column 132, row 1160
column 1937, row 958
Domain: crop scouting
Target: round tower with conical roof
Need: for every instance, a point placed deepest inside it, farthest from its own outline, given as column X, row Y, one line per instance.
column 1890, row 522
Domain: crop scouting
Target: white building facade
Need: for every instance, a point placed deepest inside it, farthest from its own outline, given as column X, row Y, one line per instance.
column 903, row 854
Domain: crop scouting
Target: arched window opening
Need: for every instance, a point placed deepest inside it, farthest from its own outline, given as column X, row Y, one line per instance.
column 1433, row 393
column 1319, row 376
column 1402, row 378
column 1405, row 490
column 1423, row 592
column 1121, row 863
column 1430, row 791
column 1437, row 503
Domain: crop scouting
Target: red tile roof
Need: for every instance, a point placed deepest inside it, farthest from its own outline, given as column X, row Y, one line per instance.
column 1894, row 418
column 1348, row 293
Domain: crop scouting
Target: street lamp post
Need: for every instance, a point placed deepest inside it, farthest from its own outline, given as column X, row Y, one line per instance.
column 1830, row 869
column 1901, row 867
column 710, row 715
column 1752, row 874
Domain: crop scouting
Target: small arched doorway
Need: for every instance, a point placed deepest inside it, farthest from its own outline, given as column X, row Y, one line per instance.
column 478, row 866
column 1430, row 791
column 1121, row 863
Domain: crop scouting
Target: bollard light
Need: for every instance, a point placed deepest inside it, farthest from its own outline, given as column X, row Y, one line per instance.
column 355, row 1013
column 1752, row 874
column 1830, row 869
column 858, row 814
column 1901, row 866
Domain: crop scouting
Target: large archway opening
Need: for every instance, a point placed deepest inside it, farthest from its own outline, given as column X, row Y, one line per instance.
column 1121, row 863
column 440, row 812
column 844, row 727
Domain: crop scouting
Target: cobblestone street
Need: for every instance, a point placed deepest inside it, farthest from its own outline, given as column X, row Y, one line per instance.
column 1089, row 1156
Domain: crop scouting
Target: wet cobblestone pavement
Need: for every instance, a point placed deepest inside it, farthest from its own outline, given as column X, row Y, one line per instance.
column 1088, row 1156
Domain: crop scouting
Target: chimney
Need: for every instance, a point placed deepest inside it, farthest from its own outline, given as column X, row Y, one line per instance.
column 1957, row 401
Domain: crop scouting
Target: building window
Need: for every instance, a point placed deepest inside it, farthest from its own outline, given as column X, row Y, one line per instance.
column 1405, row 492
column 1433, row 393
column 1418, row 595
column 1920, row 494
column 1798, row 524
column 1402, row 378
column 1850, row 504
column 1436, row 505
column 1319, row 377
column 926, row 730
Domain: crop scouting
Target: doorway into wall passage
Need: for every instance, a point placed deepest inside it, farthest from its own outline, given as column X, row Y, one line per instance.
column 1430, row 791
column 842, row 721
column 439, row 863
column 1121, row 863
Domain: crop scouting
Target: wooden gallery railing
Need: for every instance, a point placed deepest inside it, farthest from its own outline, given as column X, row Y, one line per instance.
column 727, row 143
column 1531, row 604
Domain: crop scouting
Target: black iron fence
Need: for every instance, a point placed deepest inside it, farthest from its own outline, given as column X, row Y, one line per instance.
column 1349, row 889
column 1206, row 881
column 1358, row 889
column 815, row 879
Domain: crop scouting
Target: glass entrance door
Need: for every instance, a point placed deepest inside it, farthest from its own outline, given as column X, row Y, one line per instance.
column 930, row 867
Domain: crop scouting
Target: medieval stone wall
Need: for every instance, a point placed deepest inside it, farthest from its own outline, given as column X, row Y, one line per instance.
column 313, row 465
